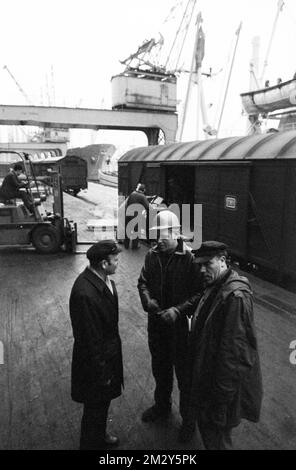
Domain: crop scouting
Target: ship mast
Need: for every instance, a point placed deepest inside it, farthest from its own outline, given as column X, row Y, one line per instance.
column 192, row 69
column 238, row 31
column 280, row 7
column 254, row 64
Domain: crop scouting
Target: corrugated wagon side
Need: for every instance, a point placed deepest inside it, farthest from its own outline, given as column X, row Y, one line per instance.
column 246, row 186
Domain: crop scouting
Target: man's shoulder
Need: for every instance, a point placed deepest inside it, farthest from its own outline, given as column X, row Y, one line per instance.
column 79, row 282
column 135, row 195
column 236, row 286
column 82, row 282
column 87, row 289
column 151, row 253
column 9, row 176
column 183, row 251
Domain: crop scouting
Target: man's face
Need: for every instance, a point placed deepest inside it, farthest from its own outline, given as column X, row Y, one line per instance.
column 166, row 240
column 213, row 269
column 18, row 172
column 112, row 264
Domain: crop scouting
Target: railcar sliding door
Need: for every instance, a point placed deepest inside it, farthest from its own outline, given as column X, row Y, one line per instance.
column 154, row 179
column 222, row 189
column 272, row 232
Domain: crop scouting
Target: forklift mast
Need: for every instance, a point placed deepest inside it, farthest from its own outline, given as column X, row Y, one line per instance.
column 56, row 181
column 58, row 202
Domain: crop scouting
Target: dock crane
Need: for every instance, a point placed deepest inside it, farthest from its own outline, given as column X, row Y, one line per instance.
column 151, row 57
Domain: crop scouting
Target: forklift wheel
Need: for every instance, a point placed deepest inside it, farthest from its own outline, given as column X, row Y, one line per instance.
column 46, row 239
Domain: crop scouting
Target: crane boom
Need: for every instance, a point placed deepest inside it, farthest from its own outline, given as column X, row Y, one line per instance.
column 18, row 85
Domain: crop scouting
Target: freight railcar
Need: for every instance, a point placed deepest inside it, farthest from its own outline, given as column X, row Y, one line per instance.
column 246, row 186
column 72, row 169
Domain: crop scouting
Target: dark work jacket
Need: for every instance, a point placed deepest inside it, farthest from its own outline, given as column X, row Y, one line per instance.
column 10, row 186
column 97, row 371
column 177, row 284
column 136, row 197
column 226, row 373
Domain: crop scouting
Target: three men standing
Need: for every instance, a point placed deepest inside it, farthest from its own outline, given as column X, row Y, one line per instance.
column 214, row 354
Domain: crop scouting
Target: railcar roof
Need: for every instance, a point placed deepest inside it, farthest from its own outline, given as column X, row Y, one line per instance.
column 53, row 160
column 276, row 145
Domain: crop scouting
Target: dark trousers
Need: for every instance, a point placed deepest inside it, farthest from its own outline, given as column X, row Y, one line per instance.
column 135, row 242
column 214, row 437
column 168, row 353
column 93, row 426
column 23, row 195
column 27, row 200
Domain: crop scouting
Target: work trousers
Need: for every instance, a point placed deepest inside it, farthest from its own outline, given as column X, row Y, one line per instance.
column 168, row 353
column 127, row 240
column 93, row 425
column 215, row 437
column 27, row 200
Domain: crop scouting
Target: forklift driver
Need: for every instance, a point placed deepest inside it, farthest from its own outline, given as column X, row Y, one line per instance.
column 11, row 185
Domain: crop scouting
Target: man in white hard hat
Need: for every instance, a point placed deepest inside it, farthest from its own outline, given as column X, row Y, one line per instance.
column 169, row 286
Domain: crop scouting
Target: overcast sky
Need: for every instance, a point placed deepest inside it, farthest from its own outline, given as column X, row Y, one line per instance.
column 66, row 51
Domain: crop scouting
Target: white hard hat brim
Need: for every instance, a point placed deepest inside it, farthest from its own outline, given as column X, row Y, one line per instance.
column 164, row 227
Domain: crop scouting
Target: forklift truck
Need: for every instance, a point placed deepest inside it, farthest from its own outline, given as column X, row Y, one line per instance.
column 47, row 233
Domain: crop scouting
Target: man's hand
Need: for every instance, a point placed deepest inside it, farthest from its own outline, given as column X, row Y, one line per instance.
column 169, row 315
column 218, row 415
column 153, row 306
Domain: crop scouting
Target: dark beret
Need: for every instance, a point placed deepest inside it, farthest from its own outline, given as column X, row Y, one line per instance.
column 102, row 249
column 208, row 250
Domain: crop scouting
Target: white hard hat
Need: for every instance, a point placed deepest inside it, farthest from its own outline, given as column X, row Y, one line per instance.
column 164, row 220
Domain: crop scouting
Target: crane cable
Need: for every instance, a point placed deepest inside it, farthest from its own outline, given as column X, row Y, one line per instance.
column 185, row 35
column 178, row 31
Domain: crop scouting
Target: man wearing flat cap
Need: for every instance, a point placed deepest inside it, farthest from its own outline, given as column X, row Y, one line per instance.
column 97, row 372
column 226, row 384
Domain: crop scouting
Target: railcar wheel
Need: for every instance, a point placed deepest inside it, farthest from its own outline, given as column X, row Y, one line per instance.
column 46, row 239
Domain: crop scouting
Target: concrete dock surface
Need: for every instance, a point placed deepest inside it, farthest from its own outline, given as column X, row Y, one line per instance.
column 36, row 409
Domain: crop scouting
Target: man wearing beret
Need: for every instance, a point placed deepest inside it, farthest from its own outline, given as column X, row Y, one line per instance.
column 226, row 384
column 97, row 372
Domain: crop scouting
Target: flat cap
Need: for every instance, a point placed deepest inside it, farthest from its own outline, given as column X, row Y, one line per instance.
column 102, row 249
column 208, row 250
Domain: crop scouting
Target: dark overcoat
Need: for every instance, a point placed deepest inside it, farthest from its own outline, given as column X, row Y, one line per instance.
column 226, row 377
column 97, row 371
